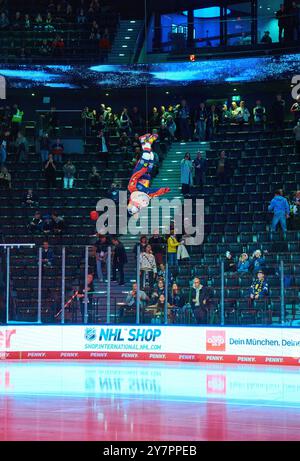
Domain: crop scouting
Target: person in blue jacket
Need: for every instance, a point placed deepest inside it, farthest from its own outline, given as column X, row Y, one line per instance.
column 257, row 262
column 259, row 288
column 280, row 207
column 243, row 264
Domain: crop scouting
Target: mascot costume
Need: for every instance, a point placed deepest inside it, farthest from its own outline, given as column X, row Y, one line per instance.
column 139, row 184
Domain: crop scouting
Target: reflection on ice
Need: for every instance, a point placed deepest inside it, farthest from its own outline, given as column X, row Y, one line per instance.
column 241, row 384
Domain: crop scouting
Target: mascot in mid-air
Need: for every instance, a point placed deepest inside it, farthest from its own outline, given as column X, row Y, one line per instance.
column 139, row 184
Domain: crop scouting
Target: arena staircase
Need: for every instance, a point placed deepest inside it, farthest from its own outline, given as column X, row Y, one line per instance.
column 123, row 48
column 169, row 174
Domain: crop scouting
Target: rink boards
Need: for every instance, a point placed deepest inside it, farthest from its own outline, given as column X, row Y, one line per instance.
column 257, row 345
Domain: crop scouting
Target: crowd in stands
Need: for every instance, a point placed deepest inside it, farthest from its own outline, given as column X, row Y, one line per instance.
column 54, row 18
column 185, row 124
column 197, row 302
column 46, row 225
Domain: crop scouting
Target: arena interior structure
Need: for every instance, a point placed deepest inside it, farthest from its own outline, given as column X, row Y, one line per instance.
column 153, row 309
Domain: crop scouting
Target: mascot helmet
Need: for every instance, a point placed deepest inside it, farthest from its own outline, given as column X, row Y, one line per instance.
column 137, row 201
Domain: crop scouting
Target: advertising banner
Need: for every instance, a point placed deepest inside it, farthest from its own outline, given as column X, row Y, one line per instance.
column 143, row 342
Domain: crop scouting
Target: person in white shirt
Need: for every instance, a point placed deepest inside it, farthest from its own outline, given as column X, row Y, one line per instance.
column 148, row 267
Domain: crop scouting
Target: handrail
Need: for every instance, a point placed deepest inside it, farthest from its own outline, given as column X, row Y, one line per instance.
column 138, row 44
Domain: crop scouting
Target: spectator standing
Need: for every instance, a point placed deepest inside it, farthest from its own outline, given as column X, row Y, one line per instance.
column 44, row 147
column 212, row 121
column 119, row 260
column 69, row 170
column 51, row 120
column 57, row 150
column 225, row 114
column 280, row 207
column 89, row 118
column 293, row 19
column 244, row 115
column 223, row 168
column 16, row 120
column 157, row 243
column 259, row 114
column 124, row 121
column 186, row 174
column 154, row 119
column 94, row 177
column 281, row 16
column 17, row 22
column 21, row 147
column 81, row 17
column 50, row 172
column 278, row 109
column 171, row 127
column 4, row 21
column 27, row 22
column 199, row 300
column 142, row 244
column 200, row 168
column 136, row 119
column 182, row 253
column 38, row 22
column 234, row 112
column 148, row 267
column 172, row 250
column 184, row 120
column 200, row 121
column 81, row 295
column 101, row 256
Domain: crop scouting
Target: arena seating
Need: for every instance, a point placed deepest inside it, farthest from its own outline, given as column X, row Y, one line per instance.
column 25, row 45
column 74, row 205
column 235, row 219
